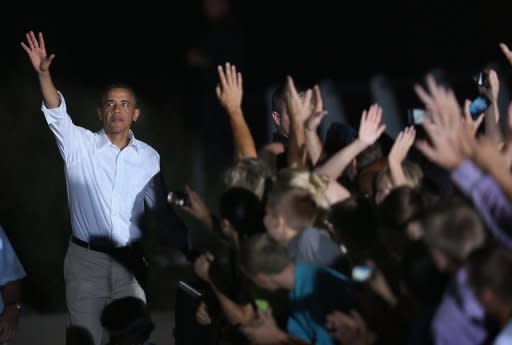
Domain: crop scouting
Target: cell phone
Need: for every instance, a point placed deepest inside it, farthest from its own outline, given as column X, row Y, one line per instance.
column 479, row 105
column 189, row 290
column 362, row 273
column 416, row 116
column 178, row 199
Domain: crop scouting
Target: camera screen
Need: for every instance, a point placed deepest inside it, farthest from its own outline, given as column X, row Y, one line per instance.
column 418, row 116
column 479, row 105
column 361, row 273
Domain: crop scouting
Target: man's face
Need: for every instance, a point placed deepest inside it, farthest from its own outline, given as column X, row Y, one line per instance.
column 285, row 123
column 282, row 122
column 273, row 224
column 118, row 111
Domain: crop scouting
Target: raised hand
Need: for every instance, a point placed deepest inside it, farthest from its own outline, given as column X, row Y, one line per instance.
column 198, row 208
column 298, row 108
column 440, row 102
column 470, row 124
column 36, row 51
column 402, row 145
column 492, row 87
column 506, row 52
column 450, row 144
column 229, row 91
column 318, row 112
column 370, row 128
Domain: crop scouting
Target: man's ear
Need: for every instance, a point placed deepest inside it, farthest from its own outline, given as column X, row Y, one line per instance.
column 277, row 118
column 136, row 115
column 99, row 113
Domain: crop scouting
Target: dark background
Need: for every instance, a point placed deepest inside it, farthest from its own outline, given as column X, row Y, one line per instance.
column 145, row 44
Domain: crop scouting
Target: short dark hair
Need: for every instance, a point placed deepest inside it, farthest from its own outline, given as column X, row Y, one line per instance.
column 278, row 96
column 453, row 227
column 243, row 210
column 369, row 156
column 491, row 268
column 401, row 206
column 262, row 254
column 110, row 87
column 354, row 225
column 127, row 320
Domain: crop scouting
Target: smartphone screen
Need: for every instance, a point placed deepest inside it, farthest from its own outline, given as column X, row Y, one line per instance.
column 189, row 289
column 416, row 116
column 479, row 105
column 362, row 273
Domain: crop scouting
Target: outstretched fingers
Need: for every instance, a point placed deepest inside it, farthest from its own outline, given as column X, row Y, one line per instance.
column 222, row 76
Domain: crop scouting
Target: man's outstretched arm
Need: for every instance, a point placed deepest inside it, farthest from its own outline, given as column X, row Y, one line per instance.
column 36, row 51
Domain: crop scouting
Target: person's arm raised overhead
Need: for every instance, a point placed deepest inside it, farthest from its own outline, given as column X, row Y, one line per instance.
column 41, row 61
column 452, row 146
column 492, row 114
column 472, row 125
column 370, row 129
column 313, row 143
column 450, row 142
column 398, row 152
column 298, row 111
column 229, row 93
column 71, row 139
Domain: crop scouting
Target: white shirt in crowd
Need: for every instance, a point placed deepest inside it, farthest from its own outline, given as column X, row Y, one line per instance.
column 106, row 186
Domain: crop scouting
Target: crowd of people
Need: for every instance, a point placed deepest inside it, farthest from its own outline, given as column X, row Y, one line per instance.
column 348, row 243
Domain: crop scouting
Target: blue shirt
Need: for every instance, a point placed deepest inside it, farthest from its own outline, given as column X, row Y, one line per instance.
column 459, row 319
column 318, row 292
column 10, row 266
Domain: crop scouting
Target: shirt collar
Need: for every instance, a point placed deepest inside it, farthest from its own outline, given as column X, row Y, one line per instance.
column 103, row 140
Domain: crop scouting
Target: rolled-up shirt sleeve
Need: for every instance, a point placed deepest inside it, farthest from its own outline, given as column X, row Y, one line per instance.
column 69, row 136
column 488, row 198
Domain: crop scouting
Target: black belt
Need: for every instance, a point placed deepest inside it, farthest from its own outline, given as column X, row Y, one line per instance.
column 103, row 248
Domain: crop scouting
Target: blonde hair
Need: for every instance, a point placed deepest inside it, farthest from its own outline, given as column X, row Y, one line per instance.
column 248, row 173
column 299, row 195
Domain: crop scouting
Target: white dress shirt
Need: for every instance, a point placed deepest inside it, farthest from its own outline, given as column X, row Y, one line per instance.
column 105, row 185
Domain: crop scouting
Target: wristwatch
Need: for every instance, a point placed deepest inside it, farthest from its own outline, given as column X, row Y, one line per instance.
column 18, row 305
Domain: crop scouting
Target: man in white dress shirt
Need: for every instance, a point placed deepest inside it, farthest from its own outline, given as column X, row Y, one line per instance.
column 110, row 175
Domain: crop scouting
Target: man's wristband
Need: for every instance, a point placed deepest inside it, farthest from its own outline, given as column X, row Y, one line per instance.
column 17, row 305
